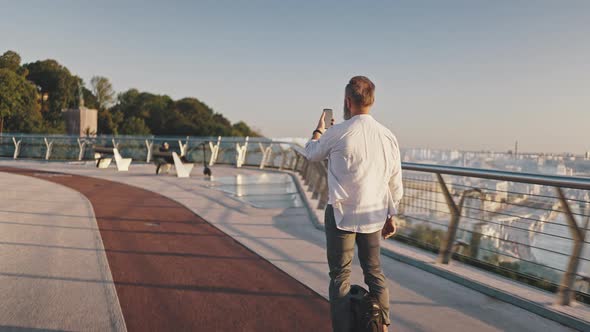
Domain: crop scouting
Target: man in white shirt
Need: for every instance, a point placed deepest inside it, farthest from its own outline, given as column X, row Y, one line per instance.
column 365, row 187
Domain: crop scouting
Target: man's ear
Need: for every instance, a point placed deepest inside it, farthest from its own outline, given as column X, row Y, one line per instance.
column 347, row 102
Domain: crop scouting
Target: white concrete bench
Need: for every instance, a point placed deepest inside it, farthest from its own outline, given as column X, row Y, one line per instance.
column 122, row 163
column 104, row 162
column 164, row 161
column 182, row 170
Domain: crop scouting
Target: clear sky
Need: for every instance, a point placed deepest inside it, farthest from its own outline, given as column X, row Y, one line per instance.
column 473, row 74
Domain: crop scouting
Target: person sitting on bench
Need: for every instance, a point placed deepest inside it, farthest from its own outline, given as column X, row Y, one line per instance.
column 163, row 160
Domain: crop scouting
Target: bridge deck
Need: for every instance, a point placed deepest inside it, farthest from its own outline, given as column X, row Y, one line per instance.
column 54, row 272
column 420, row 301
column 173, row 271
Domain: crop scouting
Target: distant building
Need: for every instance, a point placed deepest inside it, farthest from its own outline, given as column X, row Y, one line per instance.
column 81, row 121
column 562, row 169
column 524, row 190
column 502, row 191
column 423, row 196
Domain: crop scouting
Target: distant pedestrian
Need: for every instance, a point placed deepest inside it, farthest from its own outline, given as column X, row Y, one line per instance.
column 365, row 187
column 165, row 148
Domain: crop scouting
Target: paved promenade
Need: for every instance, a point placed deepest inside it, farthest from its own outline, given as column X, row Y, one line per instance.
column 175, row 272
column 420, row 301
column 53, row 270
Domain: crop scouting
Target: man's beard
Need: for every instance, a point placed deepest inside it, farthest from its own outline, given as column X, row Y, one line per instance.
column 347, row 114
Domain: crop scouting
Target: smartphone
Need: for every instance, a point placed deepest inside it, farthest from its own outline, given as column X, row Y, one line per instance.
column 329, row 117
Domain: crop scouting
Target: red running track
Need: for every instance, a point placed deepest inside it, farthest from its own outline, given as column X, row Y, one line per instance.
column 173, row 271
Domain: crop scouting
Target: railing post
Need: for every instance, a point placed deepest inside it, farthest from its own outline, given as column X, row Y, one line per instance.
column 212, row 156
column 238, row 155
column 293, row 161
column 217, row 147
column 16, row 147
column 313, row 174
column 182, row 147
column 306, row 171
column 319, row 186
column 285, row 153
column 214, row 151
column 303, row 169
column 48, row 148
column 283, row 159
column 299, row 162
column 241, row 153
column 446, row 247
column 149, row 145
column 266, row 153
column 82, row 146
column 566, row 291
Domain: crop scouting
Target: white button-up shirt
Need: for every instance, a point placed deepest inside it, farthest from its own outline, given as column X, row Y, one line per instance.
column 364, row 172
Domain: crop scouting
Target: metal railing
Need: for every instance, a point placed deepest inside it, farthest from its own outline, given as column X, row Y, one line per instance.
column 248, row 151
column 528, row 227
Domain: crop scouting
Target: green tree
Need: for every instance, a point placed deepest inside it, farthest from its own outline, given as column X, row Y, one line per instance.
column 103, row 91
column 106, row 124
column 19, row 110
column 60, row 86
column 157, row 111
column 192, row 117
column 90, row 101
column 134, row 126
column 10, row 60
column 242, row 129
column 55, row 88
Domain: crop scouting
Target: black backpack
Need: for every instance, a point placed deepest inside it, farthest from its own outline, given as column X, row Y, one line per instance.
column 366, row 315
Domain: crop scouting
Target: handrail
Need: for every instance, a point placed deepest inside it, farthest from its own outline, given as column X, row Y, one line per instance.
column 314, row 174
column 226, row 139
column 490, row 174
column 316, row 180
column 530, row 178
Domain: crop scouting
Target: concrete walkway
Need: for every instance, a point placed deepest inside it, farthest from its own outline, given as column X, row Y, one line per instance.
column 420, row 301
column 53, row 270
column 173, row 271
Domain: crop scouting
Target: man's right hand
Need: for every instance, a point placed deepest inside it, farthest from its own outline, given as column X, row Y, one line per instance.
column 389, row 228
column 322, row 123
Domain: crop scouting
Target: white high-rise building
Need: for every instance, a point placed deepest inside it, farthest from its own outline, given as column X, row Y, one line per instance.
column 502, row 191
column 561, row 169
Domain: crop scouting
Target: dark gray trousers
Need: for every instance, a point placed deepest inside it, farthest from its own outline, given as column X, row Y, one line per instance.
column 340, row 251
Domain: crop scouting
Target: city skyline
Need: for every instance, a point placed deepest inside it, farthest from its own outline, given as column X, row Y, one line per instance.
column 458, row 75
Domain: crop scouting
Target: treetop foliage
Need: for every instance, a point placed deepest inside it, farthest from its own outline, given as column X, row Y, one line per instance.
column 33, row 95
